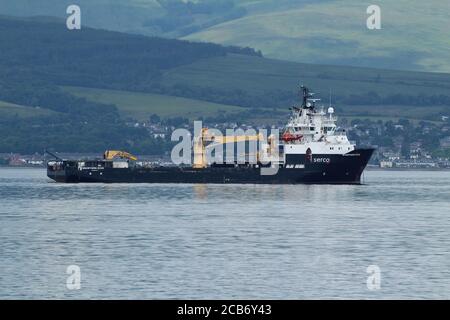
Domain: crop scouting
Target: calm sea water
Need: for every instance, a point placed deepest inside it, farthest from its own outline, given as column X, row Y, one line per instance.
column 225, row 241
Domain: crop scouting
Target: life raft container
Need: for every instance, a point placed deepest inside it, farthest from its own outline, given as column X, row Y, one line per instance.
column 288, row 137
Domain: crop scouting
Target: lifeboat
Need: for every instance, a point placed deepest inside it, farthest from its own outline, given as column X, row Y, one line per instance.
column 289, row 137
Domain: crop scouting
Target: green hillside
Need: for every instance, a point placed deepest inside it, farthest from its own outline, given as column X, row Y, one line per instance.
column 117, row 15
column 37, row 60
column 141, row 105
column 414, row 33
column 258, row 76
column 275, row 83
column 10, row 110
column 88, row 91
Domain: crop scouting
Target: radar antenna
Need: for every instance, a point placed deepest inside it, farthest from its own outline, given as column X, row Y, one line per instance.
column 307, row 96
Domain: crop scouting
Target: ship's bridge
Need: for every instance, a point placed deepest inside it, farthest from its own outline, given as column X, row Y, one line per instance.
column 309, row 128
column 312, row 125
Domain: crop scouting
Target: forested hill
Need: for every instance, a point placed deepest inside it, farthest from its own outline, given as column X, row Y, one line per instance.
column 41, row 52
column 79, row 90
column 39, row 55
column 46, row 49
column 414, row 34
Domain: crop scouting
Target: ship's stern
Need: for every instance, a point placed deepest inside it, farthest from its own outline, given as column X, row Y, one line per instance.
column 62, row 171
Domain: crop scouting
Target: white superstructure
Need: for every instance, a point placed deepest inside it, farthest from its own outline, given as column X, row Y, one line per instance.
column 315, row 130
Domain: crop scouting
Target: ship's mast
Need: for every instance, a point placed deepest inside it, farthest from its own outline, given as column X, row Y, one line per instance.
column 305, row 96
column 308, row 102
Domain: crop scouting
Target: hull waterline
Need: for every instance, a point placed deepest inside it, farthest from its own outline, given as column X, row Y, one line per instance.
column 338, row 169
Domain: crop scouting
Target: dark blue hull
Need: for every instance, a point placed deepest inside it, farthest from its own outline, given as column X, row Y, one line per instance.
column 340, row 169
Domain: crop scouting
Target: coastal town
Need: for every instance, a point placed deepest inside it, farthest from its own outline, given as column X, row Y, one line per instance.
column 400, row 144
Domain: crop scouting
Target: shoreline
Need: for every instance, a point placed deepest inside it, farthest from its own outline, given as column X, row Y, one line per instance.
column 366, row 169
column 406, row 169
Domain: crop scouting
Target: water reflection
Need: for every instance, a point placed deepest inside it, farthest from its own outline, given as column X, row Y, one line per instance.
column 225, row 241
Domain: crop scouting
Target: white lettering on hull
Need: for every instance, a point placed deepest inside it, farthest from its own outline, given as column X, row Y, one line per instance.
column 321, row 160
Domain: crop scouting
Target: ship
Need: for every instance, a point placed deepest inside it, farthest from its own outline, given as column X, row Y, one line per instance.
column 310, row 149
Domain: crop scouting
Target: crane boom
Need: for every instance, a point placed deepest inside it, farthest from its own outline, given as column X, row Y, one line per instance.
column 200, row 144
column 112, row 154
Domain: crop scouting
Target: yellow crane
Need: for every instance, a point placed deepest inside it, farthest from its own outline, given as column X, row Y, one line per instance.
column 112, row 154
column 205, row 136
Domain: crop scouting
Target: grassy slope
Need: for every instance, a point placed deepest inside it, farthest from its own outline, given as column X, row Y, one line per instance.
column 117, row 15
column 414, row 34
column 394, row 112
column 142, row 105
column 256, row 75
column 10, row 109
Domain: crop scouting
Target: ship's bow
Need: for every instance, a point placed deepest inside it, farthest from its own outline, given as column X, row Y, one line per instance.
column 359, row 158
